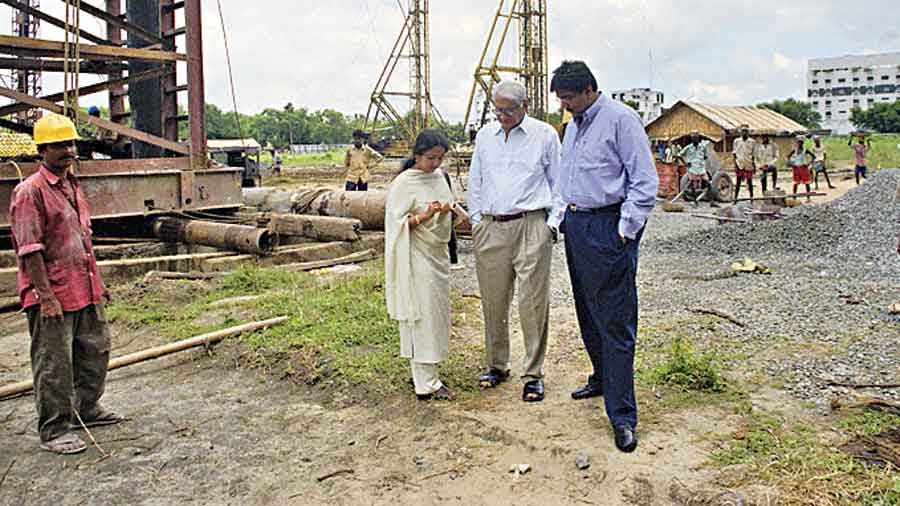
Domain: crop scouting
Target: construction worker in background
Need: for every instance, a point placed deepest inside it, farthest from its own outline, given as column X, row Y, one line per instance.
column 860, row 151
column 799, row 160
column 61, row 292
column 765, row 158
column 276, row 161
column 743, row 161
column 820, row 162
column 695, row 156
column 361, row 158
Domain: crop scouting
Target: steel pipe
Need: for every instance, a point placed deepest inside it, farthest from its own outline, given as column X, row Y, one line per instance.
column 257, row 241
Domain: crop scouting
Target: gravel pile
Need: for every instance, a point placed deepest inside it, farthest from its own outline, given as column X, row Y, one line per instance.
column 857, row 231
column 820, row 317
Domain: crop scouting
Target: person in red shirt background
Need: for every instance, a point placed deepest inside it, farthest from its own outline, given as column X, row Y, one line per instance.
column 61, row 292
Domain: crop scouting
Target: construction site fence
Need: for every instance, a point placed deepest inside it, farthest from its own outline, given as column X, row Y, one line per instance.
column 299, row 149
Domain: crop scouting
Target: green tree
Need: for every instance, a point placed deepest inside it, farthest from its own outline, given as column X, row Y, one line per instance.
column 883, row 117
column 801, row 112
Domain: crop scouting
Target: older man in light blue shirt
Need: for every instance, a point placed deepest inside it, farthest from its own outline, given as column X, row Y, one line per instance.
column 510, row 199
column 608, row 181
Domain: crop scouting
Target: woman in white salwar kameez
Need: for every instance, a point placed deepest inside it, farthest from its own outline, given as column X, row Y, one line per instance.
column 417, row 262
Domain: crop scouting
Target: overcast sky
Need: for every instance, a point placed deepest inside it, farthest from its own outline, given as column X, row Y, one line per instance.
column 327, row 54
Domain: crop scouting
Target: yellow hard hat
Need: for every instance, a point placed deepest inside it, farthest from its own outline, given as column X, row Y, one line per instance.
column 54, row 128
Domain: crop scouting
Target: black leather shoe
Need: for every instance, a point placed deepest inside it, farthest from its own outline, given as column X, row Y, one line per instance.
column 626, row 439
column 587, row 391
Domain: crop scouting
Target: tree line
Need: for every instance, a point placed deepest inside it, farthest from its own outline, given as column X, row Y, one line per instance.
column 883, row 117
column 298, row 125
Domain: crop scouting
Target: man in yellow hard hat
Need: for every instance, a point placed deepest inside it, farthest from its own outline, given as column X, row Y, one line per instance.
column 61, row 292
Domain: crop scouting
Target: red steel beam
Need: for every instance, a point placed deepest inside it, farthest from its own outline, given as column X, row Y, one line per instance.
column 196, row 90
column 98, row 122
column 170, row 99
column 114, row 34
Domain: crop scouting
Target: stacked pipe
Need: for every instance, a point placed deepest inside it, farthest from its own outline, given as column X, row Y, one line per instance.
column 257, row 241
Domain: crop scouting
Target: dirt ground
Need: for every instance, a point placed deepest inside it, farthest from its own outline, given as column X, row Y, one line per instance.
column 204, row 430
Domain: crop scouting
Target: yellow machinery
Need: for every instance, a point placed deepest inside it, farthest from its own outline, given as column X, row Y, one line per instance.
column 531, row 69
column 411, row 45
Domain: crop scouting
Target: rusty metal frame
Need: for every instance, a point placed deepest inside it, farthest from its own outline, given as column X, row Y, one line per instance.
column 413, row 45
column 532, row 69
column 129, row 187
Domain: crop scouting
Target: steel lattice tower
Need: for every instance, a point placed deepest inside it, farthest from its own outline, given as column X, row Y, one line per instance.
column 531, row 68
column 27, row 81
column 413, row 46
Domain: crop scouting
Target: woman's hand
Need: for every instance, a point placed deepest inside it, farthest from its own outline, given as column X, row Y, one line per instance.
column 433, row 208
column 446, row 208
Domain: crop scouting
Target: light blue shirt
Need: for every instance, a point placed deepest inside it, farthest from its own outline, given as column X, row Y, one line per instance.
column 695, row 156
column 515, row 173
column 606, row 160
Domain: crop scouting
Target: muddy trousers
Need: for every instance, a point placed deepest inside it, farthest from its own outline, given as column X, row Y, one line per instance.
column 425, row 377
column 509, row 253
column 69, row 356
column 603, row 273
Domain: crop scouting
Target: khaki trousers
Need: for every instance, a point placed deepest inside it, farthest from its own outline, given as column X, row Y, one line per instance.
column 507, row 253
column 69, row 356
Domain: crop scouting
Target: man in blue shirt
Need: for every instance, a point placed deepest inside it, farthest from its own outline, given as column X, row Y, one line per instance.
column 608, row 182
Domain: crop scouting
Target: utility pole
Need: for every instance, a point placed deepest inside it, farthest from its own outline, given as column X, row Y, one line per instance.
column 413, row 46
column 531, row 69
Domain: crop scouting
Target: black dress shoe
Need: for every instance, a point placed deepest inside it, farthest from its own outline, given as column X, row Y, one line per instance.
column 587, row 391
column 626, row 439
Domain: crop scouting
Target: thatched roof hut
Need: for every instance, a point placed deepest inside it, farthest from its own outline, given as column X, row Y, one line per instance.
column 722, row 125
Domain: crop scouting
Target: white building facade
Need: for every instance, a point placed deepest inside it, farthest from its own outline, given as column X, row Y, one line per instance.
column 836, row 85
column 650, row 102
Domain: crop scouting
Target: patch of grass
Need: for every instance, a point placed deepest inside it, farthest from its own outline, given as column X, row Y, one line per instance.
column 806, row 471
column 338, row 328
column 688, row 370
column 884, row 152
column 870, row 422
column 308, row 159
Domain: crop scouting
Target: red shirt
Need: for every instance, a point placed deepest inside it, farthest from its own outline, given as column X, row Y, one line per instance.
column 51, row 215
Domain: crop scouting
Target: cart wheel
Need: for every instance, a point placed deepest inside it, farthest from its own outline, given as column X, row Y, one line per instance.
column 684, row 187
column 721, row 188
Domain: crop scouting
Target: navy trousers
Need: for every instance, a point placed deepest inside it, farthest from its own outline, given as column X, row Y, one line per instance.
column 603, row 274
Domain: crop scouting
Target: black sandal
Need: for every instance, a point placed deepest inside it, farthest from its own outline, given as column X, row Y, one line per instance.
column 492, row 378
column 533, row 391
column 441, row 394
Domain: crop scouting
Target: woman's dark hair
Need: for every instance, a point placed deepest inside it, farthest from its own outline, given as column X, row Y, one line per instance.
column 573, row 76
column 427, row 139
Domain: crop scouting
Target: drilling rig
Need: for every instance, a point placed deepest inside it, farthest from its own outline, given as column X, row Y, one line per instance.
column 530, row 18
column 412, row 45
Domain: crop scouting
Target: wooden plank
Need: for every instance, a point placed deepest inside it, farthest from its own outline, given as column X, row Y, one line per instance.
column 43, row 16
column 116, row 21
column 89, row 90
column 352, row 258
column 98, row 122
column 309, row 253
column 13, row 45
column 122, row 270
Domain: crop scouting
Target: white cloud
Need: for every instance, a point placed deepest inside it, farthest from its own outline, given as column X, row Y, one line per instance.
column 328, row 54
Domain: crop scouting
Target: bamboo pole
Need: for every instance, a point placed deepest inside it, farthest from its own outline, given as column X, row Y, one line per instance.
column 159, row 351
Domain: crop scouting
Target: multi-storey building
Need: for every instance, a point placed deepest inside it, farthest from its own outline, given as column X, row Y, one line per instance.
column 650, row 102
column 836, row 85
